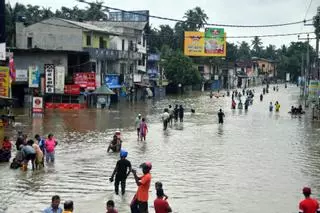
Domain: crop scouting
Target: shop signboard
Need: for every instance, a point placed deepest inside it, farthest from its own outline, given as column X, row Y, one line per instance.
column 34, row 76
column 85, row 80
column 112, row 81
column 49, row 78
column 4, row 81
column 59, row 79
column 37, row 105
column 73, row 89
column 22, row 75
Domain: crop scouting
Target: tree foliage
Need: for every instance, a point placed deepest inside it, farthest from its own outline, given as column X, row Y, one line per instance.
column 179, row 69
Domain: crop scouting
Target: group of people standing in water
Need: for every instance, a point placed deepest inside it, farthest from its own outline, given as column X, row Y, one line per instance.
column 169, row 115
column 28, row 150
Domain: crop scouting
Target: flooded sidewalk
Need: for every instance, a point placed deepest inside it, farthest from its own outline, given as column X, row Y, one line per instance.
column 256, row 161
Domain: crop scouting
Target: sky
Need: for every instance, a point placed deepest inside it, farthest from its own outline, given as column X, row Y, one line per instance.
column 244, row 12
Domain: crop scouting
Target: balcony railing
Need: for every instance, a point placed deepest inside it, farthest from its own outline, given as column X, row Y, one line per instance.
column 109, row 54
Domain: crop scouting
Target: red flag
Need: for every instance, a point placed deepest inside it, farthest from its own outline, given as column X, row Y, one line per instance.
column 12, row 69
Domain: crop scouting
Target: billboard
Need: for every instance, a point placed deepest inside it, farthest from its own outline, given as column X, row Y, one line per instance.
column 49, row 78
column 34, row 76
column 212, row 42
column 4, row 81
column 37, row 105
column 59, row 79
column 112, row 81
column 85, row 80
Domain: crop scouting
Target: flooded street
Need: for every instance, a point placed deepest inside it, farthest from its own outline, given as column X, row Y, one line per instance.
column 256, row 162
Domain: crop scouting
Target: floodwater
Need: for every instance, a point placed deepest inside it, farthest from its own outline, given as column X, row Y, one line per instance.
column 256, row 162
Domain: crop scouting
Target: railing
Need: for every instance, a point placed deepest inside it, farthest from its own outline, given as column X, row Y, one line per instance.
column 109, row 54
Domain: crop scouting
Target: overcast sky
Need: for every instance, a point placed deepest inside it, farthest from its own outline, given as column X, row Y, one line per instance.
column 245, row 12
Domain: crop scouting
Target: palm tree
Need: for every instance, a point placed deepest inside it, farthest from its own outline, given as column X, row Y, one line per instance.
column 196, row 19
column 244, row 51
column 257, row 46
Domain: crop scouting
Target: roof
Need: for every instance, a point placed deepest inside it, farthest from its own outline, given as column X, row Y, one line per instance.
column 84, row 25
column 103, row 90
column 262, row 59
column 91, row 27
column 120, row 24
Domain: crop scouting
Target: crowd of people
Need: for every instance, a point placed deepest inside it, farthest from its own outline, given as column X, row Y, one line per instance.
column 29, row 150
column 169, row 115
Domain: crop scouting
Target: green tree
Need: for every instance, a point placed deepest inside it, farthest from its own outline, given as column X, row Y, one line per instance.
column 256, row 46
column 179, row 69
column 196, row 18
column 232, row 51
column 244, row 51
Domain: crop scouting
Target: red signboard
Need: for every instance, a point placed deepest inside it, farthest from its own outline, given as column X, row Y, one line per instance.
column 73, row 89
column 85, row 80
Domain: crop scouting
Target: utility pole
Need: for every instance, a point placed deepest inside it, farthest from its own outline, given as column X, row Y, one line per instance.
column 302, row 74
column 316, row 24
column 307, row 70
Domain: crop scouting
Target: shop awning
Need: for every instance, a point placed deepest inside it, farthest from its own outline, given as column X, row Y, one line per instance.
column 103, row 90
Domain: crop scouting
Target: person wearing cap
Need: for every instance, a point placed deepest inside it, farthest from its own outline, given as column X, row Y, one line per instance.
column 137, row 124
column 68, row 206
column 308, row 205
column 121, row 171
column 140, row 200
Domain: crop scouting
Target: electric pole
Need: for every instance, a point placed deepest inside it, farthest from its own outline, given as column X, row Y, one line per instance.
column 316, row 24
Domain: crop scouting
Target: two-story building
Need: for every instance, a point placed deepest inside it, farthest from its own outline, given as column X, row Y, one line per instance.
column 86, row 52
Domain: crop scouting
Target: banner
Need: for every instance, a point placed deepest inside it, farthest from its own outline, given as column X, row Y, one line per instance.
column 21, row 75
column 2, row 51
column 73, row 89
column 287, row 76
column 212, row 42
column 59, row 79
column 37, row 105
column 112, row 81
column 85, row 80
column 34, row 76
column 4, row 81
column 49, row 79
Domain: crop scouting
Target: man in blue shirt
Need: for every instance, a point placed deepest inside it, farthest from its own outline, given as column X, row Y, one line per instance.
column 54, row 208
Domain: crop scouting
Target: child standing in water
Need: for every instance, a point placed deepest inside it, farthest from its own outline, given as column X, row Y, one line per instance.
column 158, row 185
column 143, row 129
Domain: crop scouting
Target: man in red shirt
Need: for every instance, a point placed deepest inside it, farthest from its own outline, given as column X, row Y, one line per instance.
column 161, row 205
column 308, row 205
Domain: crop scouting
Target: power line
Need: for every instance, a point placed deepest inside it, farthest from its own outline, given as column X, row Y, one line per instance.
column 153, row 35
column 206, row 24
column 308, row 9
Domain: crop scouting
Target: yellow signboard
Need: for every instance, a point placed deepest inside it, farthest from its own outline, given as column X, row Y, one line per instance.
column 4, row 81
column 212, row 42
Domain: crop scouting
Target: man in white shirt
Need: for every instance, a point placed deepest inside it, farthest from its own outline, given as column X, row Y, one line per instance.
column 165, row 118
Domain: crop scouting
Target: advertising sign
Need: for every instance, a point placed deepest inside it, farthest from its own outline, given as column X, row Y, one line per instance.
column 4, row 81
column 49, row 79
column 313, row 89
column 2, row 51
column 73, row 89
column 85, row 80
column 212, row 42
column 59, row 79
column 21, row 75
column 34, row 76
column 37, row 105
column 112, row 81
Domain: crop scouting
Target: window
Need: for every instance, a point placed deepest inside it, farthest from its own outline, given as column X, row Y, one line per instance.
column 143, row 41
column 123, row 43
column 143, row 59
column 131, row 46
column 88, row 40
column 101, row 43
column 29, row 42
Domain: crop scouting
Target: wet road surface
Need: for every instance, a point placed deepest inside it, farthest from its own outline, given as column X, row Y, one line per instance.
column 256, row 162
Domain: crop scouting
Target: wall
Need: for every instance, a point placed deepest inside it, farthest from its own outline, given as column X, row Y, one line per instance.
column 51, row 34
column 24, row 60
column 95, row 39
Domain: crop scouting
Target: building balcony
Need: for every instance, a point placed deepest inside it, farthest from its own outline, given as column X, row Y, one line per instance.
column 110, row 54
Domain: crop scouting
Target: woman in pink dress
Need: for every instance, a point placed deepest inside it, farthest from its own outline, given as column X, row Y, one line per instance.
column 143, row 129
